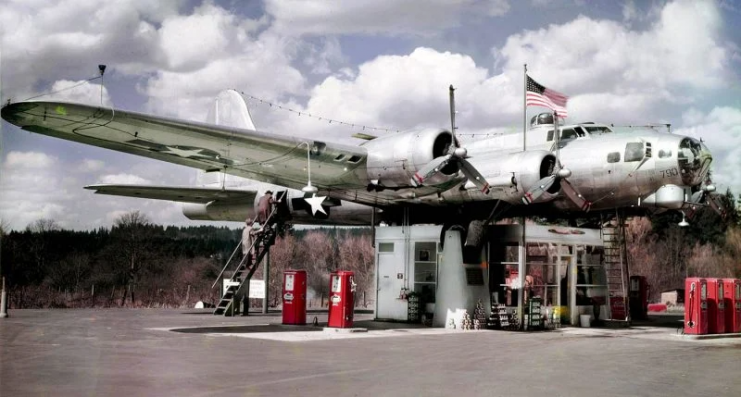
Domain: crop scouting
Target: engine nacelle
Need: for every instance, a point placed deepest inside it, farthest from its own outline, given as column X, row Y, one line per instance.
column 517, row 173
column 394, row 159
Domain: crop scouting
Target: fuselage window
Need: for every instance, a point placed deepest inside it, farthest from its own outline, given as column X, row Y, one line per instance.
column 665, row 154
column 550, row 136
column 613, row 157
column 634, row 151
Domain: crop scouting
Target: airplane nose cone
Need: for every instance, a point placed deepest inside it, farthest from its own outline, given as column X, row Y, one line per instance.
column 694, row 159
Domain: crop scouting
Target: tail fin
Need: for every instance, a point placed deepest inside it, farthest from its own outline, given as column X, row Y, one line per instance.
column 230, row 110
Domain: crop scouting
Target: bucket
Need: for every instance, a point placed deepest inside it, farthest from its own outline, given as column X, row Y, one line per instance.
column 585, row 320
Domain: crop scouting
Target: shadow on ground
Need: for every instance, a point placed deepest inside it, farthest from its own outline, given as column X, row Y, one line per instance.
column 370, row 325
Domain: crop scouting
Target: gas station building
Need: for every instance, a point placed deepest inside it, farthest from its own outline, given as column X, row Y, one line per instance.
column 562, row 267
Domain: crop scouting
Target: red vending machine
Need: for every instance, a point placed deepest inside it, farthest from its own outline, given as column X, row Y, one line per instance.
column 638, row 298
column 695, row 306
column 716, row 307
column 732, row 295
column 294, row 297
column 341, row 299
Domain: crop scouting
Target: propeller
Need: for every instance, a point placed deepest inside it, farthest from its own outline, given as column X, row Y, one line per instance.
column 559, row 176
column 456, row 155
column 706, row 196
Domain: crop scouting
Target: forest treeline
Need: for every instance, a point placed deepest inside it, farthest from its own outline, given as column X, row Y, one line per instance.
column 138, row 264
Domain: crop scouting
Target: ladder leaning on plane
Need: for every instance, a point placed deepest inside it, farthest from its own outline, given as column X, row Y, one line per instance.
column 246, row 267
column 616, row 267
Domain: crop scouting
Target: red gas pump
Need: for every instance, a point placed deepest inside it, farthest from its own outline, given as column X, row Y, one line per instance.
column 341, row 299
column 294, row 297
column 732, row 295
column 695, row 306
column 716, row 307
column 638, row 298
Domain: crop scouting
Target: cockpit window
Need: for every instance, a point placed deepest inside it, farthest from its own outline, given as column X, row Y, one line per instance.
column 634, row 151
column 613, row 157
column 597, row 129
column 568, row 133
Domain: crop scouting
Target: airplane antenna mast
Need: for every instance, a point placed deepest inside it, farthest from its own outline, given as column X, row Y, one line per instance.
column 101, row 68
column 308, row 188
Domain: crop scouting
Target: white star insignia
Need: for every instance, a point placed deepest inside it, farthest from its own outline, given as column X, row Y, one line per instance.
column 184, row 153
column 316, row 204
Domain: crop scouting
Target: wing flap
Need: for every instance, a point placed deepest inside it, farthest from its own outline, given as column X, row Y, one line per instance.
column 202, row 195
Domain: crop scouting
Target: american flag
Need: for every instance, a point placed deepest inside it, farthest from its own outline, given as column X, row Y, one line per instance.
column 538, row 95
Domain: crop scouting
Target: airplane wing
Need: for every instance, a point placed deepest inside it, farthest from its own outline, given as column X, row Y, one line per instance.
column 202, row 195
column 271, row 158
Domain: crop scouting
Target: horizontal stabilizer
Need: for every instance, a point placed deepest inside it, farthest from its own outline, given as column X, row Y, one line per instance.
column 176, row 193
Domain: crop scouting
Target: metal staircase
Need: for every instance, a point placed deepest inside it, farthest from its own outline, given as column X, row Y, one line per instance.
column 245, row 269
column 616, row 267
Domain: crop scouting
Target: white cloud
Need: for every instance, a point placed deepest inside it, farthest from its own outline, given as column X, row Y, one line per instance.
column 124, row 179
column 189, row 42
column 78, row 91
column 90, row 166
column 682, row 51
column 382, row 17
column 721, row 130
column 584, row 55
column 406, row 92
column 28, row 160
column 54, row 40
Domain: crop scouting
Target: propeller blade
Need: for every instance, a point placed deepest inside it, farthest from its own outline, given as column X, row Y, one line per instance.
column 474, row 175
column 697, row 197
column 430, row 169
column 538, row 190
column 577, row 198
column 716, row 205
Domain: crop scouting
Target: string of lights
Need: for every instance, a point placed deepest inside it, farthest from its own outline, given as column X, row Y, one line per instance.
column 281, row 107
column 319, row 118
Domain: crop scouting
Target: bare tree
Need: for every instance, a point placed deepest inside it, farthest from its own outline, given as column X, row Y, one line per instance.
column 132, row 235
column 43, row 225
column 4, row 227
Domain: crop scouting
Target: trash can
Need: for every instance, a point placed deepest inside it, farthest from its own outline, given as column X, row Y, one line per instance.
column 585, row 320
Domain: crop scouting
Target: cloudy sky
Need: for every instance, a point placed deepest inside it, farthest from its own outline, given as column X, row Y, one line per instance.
column 373, row 62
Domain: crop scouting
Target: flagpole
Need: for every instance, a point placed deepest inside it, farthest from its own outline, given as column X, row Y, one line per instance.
column 522, row 251
column 524, row 112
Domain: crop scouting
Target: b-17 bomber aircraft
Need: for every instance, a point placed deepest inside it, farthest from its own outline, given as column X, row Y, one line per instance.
column 425, row 176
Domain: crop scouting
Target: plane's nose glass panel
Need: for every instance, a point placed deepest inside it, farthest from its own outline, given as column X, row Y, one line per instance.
column 694, row 161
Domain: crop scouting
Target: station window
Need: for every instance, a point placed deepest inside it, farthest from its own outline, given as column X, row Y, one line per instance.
column 425, row 270
column 591, row 279
column 385, row 247
column 634, row 152
column 613, row 157
column 665, row 154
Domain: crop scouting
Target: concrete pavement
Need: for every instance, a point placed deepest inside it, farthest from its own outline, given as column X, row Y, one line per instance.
column 124, row 352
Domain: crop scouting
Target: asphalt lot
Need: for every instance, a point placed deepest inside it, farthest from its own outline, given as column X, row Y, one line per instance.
column 119, row 352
